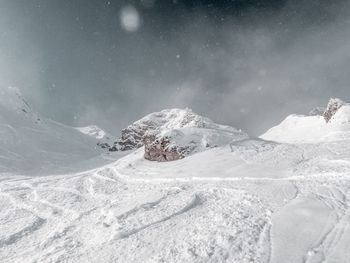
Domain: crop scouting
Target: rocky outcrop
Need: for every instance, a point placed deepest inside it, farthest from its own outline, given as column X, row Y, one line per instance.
column 162, row 150
column 178, row 143
column 131, row 138
column 333, row 106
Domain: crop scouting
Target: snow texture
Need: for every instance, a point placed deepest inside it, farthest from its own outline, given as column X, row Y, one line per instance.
column 252, row 200
column 333, row 125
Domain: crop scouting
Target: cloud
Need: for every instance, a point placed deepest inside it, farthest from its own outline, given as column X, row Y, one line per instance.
column 249, row 68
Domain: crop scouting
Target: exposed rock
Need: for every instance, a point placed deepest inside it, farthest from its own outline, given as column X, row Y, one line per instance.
column 178, row 143
column 131, row 138
column 162, row 150
column 333, row 106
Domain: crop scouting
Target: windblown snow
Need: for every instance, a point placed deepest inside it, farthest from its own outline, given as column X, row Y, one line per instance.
column 250, row 200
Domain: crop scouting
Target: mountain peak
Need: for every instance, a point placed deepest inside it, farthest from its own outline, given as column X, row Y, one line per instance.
column 174, row 133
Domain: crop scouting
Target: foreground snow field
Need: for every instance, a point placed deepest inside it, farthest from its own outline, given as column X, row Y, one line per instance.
column 186, row 212
column 249, row 201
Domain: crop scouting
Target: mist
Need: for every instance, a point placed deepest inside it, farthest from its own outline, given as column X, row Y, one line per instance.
column 247, row 64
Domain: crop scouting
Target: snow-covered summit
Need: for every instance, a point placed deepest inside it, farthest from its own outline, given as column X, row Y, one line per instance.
column 160, row 123
column 332, row 125
column 178, row 118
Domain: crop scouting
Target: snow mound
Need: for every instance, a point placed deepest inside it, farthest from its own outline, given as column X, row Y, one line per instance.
column 333, row 125
column 159, row 123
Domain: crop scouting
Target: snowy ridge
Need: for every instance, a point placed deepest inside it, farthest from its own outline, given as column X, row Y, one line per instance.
column 12, row 102
column 30, row 144
column 333, row 125
column 12, row 98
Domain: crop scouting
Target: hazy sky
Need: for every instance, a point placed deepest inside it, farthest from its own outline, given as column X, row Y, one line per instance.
column 245, row 63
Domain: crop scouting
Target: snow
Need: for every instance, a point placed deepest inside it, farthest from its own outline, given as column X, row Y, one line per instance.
column 30, row 144
column 311, row 129
column 169, row 119
column 182, row 125
column 106, row 215
column 246, row 200
column 195, row 140
column 94, row 131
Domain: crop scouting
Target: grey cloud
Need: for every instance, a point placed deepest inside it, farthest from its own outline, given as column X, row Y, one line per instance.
column 79, row 67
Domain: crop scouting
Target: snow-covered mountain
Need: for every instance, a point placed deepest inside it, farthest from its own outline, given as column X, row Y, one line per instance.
column 332, row 125
column 175, row 133
column 31, row 144
column 246, row 200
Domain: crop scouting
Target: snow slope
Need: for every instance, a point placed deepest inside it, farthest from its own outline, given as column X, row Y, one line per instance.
column 30, row 144
column 249, row 201
column 312, row 129
column 183, row 211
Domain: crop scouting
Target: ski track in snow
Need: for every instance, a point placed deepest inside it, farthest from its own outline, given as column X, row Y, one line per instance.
column 83, row 217
column 250, row 201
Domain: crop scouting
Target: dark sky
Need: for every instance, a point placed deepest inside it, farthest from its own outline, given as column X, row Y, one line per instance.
column 245, row 63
